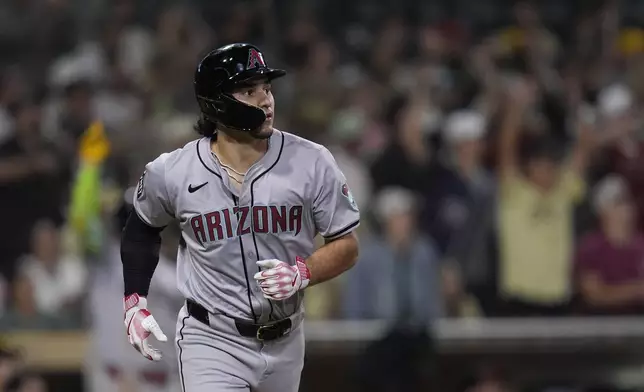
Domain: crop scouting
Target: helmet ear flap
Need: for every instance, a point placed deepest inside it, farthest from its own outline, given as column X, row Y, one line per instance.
column 210, row 107
column 239, row 115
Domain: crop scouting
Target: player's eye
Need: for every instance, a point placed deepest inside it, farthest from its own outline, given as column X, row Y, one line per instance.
column 249, row 93
column 268, row 88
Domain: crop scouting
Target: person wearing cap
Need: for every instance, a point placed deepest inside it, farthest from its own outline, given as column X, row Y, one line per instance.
column 398, row 281
column 400, row 250
column 459, row 208
column 610, row 261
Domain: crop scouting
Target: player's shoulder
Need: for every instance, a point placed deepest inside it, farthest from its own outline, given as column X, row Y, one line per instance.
column 169, row 159
column 307, row 147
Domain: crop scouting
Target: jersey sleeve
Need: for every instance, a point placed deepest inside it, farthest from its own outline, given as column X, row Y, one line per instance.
column 151, row 200
column 334, row 210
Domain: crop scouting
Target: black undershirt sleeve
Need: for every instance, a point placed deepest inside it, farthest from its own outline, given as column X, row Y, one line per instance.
column 140, row 244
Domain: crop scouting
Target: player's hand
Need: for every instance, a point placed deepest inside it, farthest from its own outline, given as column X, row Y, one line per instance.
column 140, row 324
column 279, row 280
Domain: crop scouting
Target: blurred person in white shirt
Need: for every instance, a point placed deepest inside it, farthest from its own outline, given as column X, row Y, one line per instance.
column 58, row 279
column 113, row 365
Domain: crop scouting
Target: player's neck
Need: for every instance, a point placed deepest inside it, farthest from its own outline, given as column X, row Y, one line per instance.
column 238, row 154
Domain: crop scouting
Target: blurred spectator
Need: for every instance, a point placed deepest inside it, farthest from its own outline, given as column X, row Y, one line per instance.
column 609, row 265
column 620, row 115
column 31, row 176
column 118, row 104
column 68, row 119
column 27, row 382
column 111, row 363
column 12, row 91
column 460, row 210
column 397, row 277
column 536, row 204
column 316, row 91
column 405, row 162
column 529, row 41
column 58, row 279
column 9, row 365
column 23, row 313
column 346, row 134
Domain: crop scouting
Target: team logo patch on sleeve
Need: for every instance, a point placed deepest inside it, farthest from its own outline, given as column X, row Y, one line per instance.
column 139, row 186
column 346, row 192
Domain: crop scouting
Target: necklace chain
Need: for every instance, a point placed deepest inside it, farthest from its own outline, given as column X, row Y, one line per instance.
column 229, row 169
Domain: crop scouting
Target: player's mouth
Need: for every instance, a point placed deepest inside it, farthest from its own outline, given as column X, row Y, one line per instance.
column 269, row 115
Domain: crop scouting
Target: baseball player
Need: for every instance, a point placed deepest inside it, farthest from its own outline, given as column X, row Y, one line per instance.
column 250, row 200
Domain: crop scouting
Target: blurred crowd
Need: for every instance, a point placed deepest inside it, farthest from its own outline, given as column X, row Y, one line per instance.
column 495, row 148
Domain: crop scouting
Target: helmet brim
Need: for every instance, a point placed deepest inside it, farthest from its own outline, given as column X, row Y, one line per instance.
column 254, row 75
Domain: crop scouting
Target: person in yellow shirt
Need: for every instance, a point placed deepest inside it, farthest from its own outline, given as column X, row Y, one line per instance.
column 535, row 214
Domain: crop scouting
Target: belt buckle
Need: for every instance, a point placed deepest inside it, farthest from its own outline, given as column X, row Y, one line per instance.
column 260, row 330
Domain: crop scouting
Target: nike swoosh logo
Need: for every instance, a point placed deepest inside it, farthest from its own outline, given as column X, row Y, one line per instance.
column 193, row 189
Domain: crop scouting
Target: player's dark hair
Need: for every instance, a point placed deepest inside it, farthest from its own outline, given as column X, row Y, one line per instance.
column 205, row 126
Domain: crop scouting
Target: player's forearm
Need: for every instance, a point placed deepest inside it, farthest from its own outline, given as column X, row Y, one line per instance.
column 333, row 259
column 140, row 245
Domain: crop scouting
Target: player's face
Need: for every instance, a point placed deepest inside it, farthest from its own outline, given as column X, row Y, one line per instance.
column 258, row 93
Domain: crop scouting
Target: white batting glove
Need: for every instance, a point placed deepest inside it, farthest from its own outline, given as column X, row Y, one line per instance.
column 279, row 280
column 140, row 324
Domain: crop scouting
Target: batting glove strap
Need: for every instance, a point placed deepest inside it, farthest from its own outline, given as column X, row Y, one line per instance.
column 304, row 272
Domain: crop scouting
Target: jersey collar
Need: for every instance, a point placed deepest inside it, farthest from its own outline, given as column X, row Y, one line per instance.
column 275, row 146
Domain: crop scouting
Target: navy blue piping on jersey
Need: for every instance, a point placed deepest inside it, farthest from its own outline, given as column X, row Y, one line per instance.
column 183, row 325
column 204, row 163
column 342, row 231
column 241, row 248
column 252, row 202
column 241, row 244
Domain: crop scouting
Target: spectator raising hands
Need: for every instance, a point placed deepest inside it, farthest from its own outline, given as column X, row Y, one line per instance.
column 536, row 201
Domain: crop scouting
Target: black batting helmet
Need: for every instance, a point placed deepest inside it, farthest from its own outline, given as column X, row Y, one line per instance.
column 216, row 76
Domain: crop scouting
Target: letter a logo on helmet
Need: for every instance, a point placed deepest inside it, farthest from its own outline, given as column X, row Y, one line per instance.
column 254, row 59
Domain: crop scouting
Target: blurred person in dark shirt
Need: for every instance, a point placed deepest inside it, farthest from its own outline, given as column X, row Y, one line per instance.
column 460, row 206
column 610, row 261
column 406, row 161
column 31, row 185
column 77, row 112
column 12, row 91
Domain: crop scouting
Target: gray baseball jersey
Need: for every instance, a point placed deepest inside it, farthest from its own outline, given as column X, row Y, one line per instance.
column 292, row 193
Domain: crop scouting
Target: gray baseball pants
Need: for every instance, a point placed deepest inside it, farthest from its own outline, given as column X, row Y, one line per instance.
column 216, row 358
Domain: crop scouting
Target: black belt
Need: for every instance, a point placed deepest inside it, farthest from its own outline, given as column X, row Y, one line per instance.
column 265, row 332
